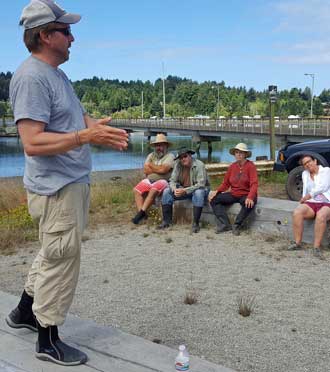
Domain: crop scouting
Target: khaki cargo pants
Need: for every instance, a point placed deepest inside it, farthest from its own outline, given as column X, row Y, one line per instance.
column 53, row 277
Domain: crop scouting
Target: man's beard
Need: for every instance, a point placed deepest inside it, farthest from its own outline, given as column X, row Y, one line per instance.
column 160, row 154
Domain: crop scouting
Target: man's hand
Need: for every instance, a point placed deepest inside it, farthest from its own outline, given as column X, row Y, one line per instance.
column 91, row 122
column 212, row 194
column 306, row 197
column 249, row 203
column 179, row 192
column 102, row 134
column 147, row 168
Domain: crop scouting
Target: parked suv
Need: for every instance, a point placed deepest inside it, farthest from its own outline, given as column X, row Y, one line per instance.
column 288, row 160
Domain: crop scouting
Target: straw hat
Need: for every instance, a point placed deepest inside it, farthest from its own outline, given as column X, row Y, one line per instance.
column 241, row 147
column 160, row 138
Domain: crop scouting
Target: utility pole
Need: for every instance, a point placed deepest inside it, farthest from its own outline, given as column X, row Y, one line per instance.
column 142, row 104
column 218, row 100
column 164, row 101
column 272, row 89
column 312, row 92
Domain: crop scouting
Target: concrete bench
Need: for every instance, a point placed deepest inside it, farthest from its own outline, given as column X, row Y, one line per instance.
column 270, row 216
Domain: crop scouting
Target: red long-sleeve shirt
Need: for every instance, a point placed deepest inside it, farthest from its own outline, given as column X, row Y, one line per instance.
column 241, row 180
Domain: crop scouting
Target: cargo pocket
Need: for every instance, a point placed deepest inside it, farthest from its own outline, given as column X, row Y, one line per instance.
column 60, row 236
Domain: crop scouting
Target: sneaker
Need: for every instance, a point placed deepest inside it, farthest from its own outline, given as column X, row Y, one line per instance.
column 236, row 230
column 61, row 353
column 141, row 215
column 195, row 228
column 318, row 253
column 16, row 319
column 294, row 247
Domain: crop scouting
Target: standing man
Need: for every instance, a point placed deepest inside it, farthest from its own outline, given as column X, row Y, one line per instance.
column 157, row 168
column 188, row 181
column 56, row 132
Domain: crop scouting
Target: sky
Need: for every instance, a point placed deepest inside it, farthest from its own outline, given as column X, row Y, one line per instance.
column 251, row 43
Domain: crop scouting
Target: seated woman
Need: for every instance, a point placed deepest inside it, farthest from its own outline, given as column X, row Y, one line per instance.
column 242, row 180
column 315, row 203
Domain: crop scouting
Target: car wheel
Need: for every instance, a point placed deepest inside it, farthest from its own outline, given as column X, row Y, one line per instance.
column 294, row 185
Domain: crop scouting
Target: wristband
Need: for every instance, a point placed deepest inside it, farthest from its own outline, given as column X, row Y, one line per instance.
column 76, row 134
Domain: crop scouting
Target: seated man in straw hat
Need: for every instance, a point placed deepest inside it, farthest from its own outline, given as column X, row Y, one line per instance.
column 188, row 181
column 157, row 167
column 242, row 180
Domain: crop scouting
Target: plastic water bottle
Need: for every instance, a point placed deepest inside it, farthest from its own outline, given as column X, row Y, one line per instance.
column 182, row 359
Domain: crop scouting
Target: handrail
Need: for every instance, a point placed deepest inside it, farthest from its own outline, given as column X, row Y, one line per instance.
column 296, row 127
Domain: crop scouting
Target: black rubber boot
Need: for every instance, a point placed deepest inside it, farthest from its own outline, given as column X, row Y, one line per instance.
column 167, row 210
column 222, row 220
column 240, row 218
column 197, row 212
column 22, row 316
column 221, row 227
column 141, row 215
column 50, row 348
column 236, row 229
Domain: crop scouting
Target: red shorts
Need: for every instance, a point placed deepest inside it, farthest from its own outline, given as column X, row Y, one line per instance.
column 317, row 206
column 146, row 185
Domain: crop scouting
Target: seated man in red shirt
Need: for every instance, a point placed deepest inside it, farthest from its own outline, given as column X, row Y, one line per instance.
column 242, row 180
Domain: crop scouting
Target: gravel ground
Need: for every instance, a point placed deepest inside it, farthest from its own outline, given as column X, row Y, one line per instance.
column 136, row 279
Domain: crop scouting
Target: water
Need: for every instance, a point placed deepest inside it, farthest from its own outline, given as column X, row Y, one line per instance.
column 12, row 156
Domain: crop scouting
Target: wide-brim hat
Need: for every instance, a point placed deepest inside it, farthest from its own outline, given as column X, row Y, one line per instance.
column 160, row 138
column 182, row 151
column 41, row 12
column 241, row 147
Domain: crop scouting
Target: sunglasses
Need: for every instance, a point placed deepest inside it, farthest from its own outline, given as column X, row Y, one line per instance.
column 64, row 31
column 183, row 156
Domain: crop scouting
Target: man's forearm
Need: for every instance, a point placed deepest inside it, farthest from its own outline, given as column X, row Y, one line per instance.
column 47, row 143
column 160, row 169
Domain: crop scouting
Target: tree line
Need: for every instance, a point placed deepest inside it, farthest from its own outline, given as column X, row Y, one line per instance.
column 184, row 98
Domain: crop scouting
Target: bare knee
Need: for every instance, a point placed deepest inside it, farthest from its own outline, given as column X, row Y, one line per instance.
column 320, row 218
column 298, row 213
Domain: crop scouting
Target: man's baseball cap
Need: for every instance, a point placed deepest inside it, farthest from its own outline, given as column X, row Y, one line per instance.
column 41, row 12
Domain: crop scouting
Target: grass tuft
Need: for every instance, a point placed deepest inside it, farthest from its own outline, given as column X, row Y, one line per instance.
column 191, row 295
column 246, row 305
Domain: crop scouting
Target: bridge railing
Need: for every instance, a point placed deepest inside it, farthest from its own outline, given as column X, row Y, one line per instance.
column 296, row 127
column 292, row 127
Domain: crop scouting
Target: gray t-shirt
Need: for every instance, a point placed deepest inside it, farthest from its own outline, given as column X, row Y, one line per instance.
column 43, row 93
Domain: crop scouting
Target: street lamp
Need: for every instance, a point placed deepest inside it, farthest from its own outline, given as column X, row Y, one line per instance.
column 312, row 91
column 142, row 104
column 164, row 101
column 218, row 101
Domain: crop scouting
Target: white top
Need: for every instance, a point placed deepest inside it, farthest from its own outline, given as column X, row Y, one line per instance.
column 319, row 188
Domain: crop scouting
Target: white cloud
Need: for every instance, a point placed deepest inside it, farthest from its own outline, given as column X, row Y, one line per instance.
column 306, row 22
column 316, row 59
column 312, row 46
column 311, row 16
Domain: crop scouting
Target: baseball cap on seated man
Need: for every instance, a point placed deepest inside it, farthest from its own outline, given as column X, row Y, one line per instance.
column 41, row 12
